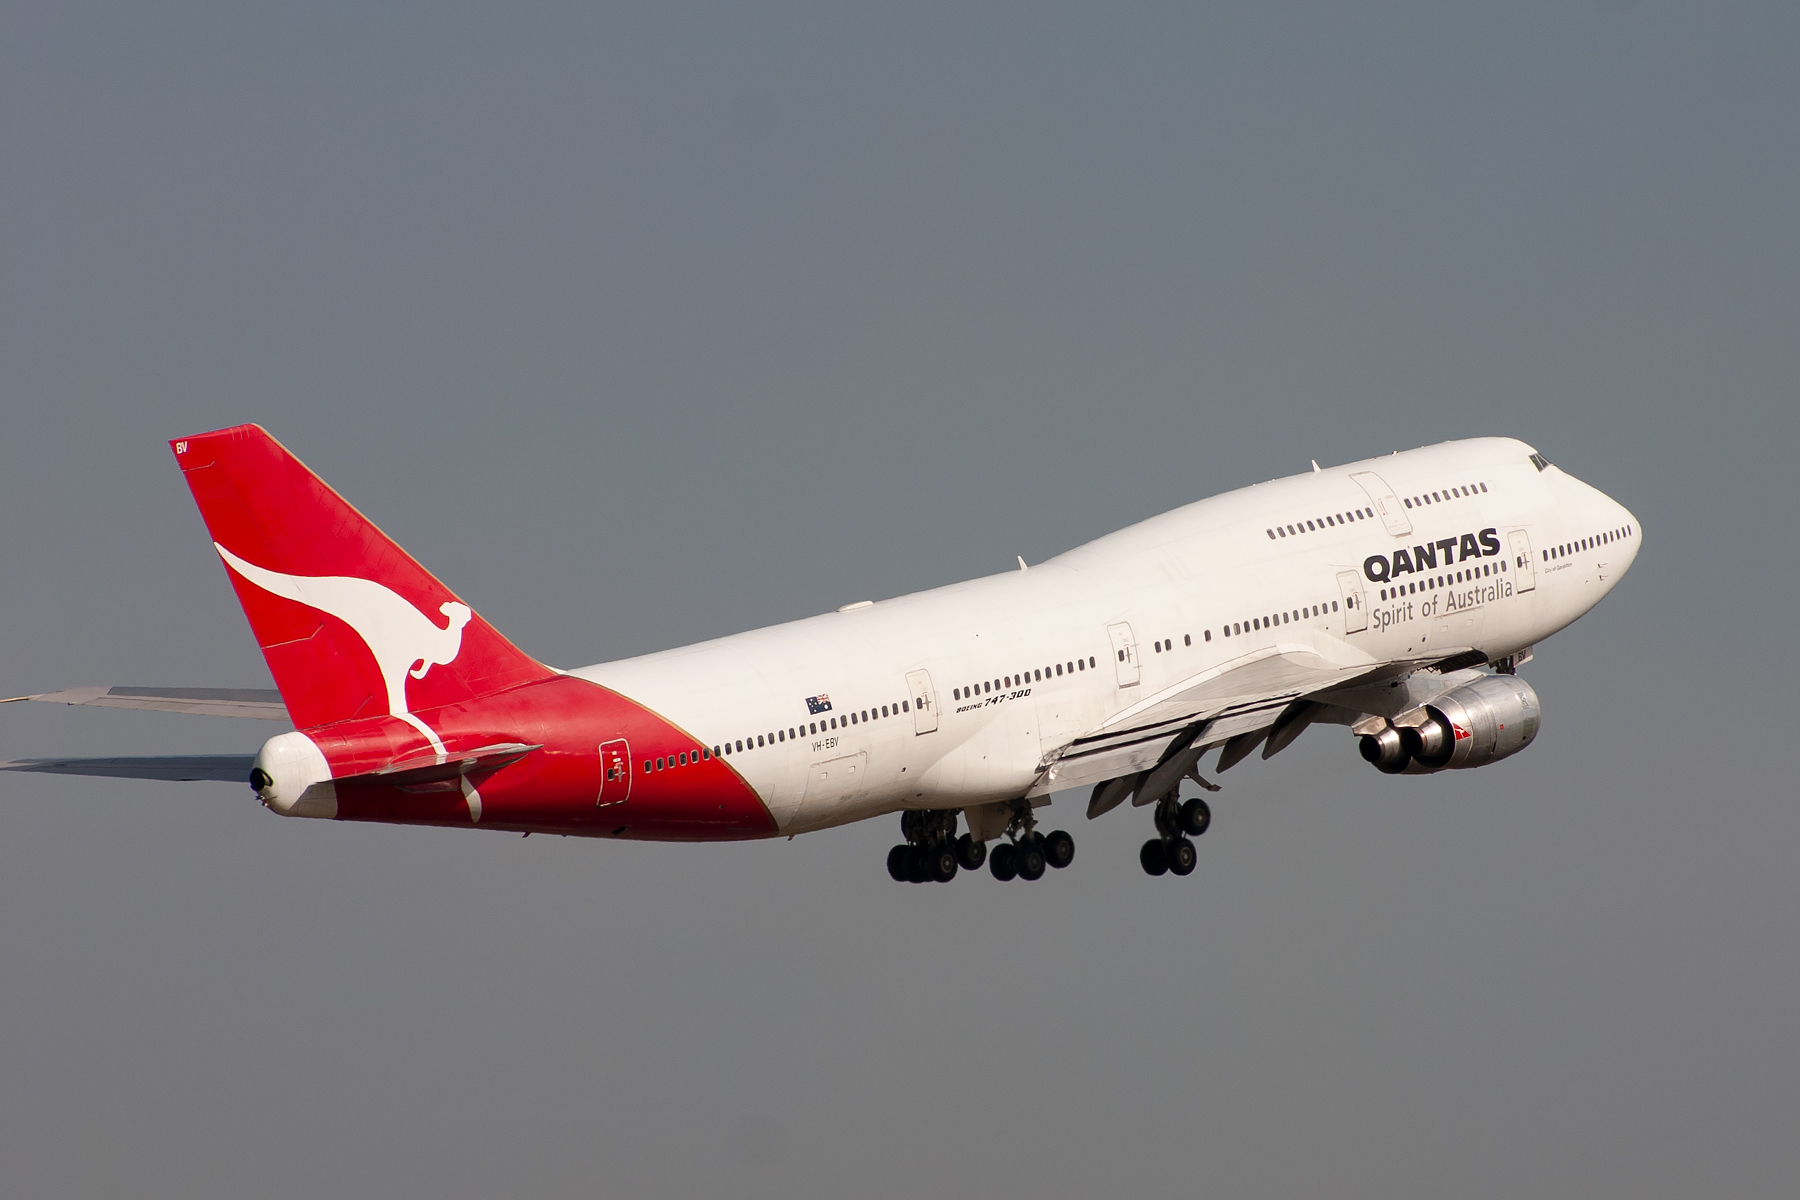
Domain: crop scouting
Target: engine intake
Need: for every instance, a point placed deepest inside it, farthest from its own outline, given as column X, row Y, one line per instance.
column 1471, row 726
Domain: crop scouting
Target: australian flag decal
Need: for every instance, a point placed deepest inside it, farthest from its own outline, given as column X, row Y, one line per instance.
column 818, row 704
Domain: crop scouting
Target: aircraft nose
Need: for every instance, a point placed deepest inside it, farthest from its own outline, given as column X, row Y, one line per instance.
column 1633, row 537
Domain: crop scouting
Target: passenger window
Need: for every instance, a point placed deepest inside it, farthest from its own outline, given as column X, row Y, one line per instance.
column 647, row 767
column 1209, row 635
column 884, row 710
column 1334, row 606
column 1312, row 527
column 1187, row 639
column 1293, row 531
column 1090, row 662
column 1271, row 534
column 1408, row 503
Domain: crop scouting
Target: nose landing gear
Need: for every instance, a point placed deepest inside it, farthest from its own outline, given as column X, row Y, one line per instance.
column 1171, row 852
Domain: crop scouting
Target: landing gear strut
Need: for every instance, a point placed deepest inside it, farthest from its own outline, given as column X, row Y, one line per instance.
column 935, row 852
column 932, row 852
column 1170, row 852
column 1027, row 852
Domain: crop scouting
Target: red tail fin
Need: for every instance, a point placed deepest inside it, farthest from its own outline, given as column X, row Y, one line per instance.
column 350, row 625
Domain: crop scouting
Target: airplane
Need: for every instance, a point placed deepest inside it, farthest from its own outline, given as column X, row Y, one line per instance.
column 1396, row 596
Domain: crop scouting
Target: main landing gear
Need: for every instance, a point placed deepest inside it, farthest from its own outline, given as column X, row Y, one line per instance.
column 934, row 852
column 1028, row 852
column 1171, row 852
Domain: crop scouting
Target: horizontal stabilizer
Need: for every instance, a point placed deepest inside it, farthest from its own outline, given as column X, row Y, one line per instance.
column 428, row 768
column 178, row 768
column 262, row 703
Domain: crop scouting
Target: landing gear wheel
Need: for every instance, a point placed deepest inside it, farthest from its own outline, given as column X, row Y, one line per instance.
column 900, row 863
column 1002, row 862
column 1154, row 858
column 1181, row 856
column 918, row 864
column 970, row 853
column 1031, row 860
column 1059, row 849
column 1196, row 817
column 940, row 864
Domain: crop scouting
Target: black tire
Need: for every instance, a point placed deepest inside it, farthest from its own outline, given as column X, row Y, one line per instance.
column 918, row 865
column 940, row 864
column 1031, row 860
column 970, row 853
column 900, row 863
column 1002, row 862
column 1059, row 849
column 1181, row 856
column 1196, row 817
column 1154, row 858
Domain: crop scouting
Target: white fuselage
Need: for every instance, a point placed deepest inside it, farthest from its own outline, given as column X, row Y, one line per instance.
column 977, row 710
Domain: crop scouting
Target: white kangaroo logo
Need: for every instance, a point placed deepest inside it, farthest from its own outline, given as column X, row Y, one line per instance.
column 396, row 633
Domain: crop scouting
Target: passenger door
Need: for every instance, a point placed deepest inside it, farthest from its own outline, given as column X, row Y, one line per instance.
column 1356, row 617
column 615, row 773
column 1524, row 571
column 1124, row 653
column 924, row 702
column 1387, row 505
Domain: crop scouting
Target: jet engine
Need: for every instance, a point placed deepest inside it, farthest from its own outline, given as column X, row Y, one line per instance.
column 1471, row 726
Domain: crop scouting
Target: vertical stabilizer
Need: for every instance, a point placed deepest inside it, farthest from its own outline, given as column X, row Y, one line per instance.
column 350, row 624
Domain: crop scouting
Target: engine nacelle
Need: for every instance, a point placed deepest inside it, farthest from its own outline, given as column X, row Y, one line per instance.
column 1471, row 726
column 1386, row 750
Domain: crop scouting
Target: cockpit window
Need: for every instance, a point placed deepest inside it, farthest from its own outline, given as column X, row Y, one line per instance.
column 1539, row 461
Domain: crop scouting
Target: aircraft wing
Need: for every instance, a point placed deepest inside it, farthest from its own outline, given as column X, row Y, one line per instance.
column 262, row 703
column 223, row 768
column 1241, row 699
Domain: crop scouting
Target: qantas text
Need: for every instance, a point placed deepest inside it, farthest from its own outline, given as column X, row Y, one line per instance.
column 1379, row 568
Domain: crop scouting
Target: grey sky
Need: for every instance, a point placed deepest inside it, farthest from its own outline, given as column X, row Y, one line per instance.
column 640, row 325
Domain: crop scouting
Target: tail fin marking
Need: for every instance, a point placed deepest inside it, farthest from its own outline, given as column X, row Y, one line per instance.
column 329, row 595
